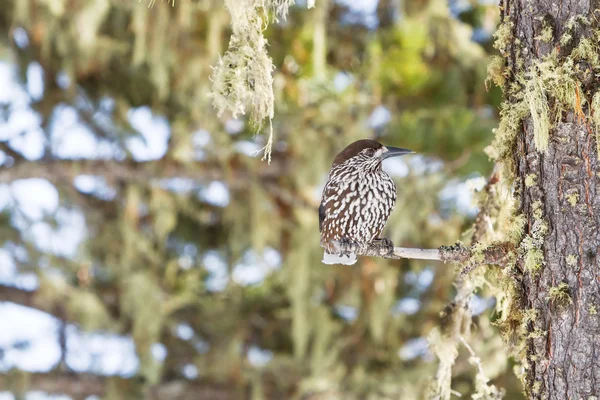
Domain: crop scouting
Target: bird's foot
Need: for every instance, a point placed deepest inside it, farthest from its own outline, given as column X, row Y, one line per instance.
column 386, row 247
column 346, row 247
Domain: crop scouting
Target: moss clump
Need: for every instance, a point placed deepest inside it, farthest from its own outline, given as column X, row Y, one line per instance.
column 503, row 36
column 496, row 72
column 530, row 180
column 569, row 26
column 537, row 334
column 534, row 260
column 516, row 228
column 535, row 97
column 537, row 209
column 559, row 295
column 573, row 198
column 592, row 309
column 571, row 260
column 546, row 34
column 587, row 50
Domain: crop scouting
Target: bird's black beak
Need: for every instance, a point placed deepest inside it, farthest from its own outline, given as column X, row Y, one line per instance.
column 394, row 152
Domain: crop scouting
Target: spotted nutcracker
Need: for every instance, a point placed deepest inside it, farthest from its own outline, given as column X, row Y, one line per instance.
column 357, row 199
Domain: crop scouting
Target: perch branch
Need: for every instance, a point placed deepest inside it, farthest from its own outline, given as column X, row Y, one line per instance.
column 498, row 254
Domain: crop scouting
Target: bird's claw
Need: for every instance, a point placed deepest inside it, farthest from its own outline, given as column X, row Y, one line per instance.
column 386, row 247
column 346, row 247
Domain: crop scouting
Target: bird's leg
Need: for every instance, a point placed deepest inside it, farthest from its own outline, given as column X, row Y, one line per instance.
column 385, row 245
column 346, row 247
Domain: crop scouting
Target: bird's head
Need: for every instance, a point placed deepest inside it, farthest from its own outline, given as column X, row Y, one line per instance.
column 368, row 154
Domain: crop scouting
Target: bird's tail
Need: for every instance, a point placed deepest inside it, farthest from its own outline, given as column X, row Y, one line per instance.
column 331, row 259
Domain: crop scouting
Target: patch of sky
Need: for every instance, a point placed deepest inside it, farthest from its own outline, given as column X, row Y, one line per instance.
column 20, row 37
column 420, row 280
column 12, row 92
column 479, row 304
column 421, row 165
column 380, row 117
column 396, row 167
column 190, row 371
column 31, row 144
column 234, row 126
column 254, row 268
column 8, row 269
column 63, row 80
column 217, row 268
column 185, row 332
column 104, row 354
column 258, row 357
column 407, row 305
column 6, row 199
column 201, row 346
column 179, row 185
column 248, row 148
column 34, row 197
column 62, row 240
column 360, row 12
column 71, row 139
column 29, row 339
column 35, row 81
column 457, row 7
column 348, row 313
column 200, row 139
column 481, row 35
column 9, row 274
column 413, row 348
column 154, row 133
column 342, row 80
column 159, row 351
column 460, row 195
column 95, row 185
column 215, row 193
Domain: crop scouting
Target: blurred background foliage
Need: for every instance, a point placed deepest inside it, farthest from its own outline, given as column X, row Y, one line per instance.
column 200, row 248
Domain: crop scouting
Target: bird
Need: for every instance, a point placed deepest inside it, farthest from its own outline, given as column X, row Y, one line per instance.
column 357, row 200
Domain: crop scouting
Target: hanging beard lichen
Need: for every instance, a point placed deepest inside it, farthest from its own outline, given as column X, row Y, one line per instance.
column 242, row 77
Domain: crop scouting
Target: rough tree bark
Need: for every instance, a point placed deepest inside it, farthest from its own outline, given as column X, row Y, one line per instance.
column 559, row 190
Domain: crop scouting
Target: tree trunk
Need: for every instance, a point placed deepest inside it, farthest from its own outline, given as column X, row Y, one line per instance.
column 553, row 76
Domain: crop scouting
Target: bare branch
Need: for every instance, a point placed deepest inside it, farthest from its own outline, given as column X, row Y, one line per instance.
column 83, row 385
column 62, row 171
column 498, row 254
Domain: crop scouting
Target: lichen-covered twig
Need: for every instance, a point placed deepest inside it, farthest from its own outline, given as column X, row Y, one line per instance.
column 497, row 254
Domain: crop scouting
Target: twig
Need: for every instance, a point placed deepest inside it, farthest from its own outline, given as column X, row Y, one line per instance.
column 497, row 254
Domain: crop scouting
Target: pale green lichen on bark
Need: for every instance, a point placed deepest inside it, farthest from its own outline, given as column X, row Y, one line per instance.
column 546, row 34
column 535, row 97
column 571, row 260
column 530, row 180
column 531, row 245
column 573, row 198
column 496, row 72
column 559, row 295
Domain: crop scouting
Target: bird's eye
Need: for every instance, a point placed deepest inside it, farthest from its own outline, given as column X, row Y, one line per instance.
column 370, row 152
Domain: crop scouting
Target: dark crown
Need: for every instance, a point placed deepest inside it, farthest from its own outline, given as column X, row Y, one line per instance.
column 354, row 148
